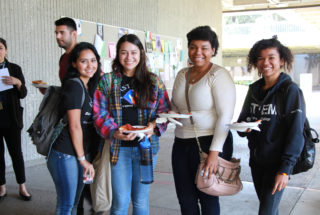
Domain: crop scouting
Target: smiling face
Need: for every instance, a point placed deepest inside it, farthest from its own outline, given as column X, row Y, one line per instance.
column 3, row 52
column 129, row 57
column 86, row 64
column 269, row 63
column 200, row 52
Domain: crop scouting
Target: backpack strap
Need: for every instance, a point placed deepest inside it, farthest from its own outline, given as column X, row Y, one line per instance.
column 83, row 92
column 280, row 98
column 65, row 116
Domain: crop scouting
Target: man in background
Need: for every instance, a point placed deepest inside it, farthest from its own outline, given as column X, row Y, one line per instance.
column 66, row 35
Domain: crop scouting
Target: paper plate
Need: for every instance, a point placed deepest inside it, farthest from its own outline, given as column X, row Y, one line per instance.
column 138, row 131
column 40, row 85
column 243, row 126
column 175, row 115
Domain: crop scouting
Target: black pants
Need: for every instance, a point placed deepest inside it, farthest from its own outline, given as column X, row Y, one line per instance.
column 12, row 136
column 185, row 161
column 263, row 180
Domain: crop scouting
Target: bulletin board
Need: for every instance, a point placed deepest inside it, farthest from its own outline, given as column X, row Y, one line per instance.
column 165, row 55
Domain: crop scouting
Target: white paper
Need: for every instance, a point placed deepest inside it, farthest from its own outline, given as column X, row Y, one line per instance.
column 79, row 28
column 243, row 126
column 107, row 65
column 98, row 43
column 3, row 86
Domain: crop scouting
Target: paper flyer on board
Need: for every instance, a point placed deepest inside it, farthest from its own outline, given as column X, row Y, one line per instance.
column 112, row 50
column 98, row 43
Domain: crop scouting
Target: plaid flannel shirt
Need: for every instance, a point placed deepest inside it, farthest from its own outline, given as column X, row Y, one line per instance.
column 107, row 110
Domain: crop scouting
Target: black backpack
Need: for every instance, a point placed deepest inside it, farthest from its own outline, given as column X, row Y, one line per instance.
column 311, row 137
column 47, row 125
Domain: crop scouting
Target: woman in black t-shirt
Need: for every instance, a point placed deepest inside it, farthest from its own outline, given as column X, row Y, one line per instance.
column 67, row 161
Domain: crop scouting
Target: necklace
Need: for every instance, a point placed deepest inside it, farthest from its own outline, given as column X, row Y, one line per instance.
column 198, row 74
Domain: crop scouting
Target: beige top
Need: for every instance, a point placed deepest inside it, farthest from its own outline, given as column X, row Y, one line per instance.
column 212, row 100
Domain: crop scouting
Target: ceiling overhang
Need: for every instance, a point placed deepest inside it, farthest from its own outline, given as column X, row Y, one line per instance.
column 230, row 6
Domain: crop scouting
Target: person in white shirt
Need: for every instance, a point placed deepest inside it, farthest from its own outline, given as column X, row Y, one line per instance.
column 212, row 99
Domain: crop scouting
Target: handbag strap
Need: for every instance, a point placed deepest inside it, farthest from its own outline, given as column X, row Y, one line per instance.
column 189, row 110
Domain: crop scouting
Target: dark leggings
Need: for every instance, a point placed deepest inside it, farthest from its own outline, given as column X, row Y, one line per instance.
column 12, row 136
column 263, row 180
column 185, row 161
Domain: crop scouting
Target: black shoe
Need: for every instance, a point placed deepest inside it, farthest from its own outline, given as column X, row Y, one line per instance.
column 80, row 211
column 25, row 198
column 2, row 197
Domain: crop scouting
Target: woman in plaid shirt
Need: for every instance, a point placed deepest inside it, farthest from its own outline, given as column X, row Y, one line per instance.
column 129, row 95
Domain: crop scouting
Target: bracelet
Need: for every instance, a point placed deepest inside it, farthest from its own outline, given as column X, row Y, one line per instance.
column 82, row 158
column 285, row 174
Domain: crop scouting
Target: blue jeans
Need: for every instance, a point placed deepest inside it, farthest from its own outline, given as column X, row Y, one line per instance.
column 126, row 183
column 263, row 180
column 67, row 174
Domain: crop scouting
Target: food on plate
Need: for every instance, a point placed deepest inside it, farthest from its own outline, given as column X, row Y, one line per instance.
column 128, row 127
column 39, row 82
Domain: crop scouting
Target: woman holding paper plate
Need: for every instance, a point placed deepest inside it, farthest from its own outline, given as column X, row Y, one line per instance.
column 275, row 149
column 11, row 121
column 212, row 99
column 132, row 95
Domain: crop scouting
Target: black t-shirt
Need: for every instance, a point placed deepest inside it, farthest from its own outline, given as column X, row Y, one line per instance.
column 129, row 110
column 71, row 99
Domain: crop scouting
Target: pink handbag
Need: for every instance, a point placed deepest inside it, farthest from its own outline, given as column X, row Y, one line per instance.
column 226, row 181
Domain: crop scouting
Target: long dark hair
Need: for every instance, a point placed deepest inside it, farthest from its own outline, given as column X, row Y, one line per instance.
column 142, row 82
column 73, row 72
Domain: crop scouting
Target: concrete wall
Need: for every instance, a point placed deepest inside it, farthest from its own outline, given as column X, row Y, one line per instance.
column 28, row 27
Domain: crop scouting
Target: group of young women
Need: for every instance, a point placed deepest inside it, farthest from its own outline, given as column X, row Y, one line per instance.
column 130, row 94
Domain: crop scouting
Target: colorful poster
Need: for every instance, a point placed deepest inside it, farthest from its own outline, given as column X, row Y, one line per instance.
column 100, row 31
column 170, row 46
column 162, row 45
column 182, row 53
column 158, row 43
column 148, row 36
column 166, row 46
column 166, row 58
column 158, row 60
column 98, row 43
column 112, row 50
column 104, row 50
column 79, row 27
column 150, row 61
column 154, row 45
column 121, row 32
column 149, row 47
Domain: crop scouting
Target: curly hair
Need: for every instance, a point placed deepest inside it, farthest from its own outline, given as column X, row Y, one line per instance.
column 284, row 52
